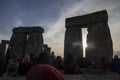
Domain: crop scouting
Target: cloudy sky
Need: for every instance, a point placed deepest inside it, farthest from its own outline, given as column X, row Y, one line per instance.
column 51, row 14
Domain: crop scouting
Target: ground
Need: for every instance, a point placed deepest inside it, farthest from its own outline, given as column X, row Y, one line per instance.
column 92, row 77
column 85, row 77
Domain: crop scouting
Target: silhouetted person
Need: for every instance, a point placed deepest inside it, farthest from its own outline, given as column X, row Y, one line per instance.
column 44, row 58
column 24, row 66
column 10, row 72
column 33, row 59
column 116, row 64
column 105, row 64
column 72, row 67
column 53, row 58
column 59, row 63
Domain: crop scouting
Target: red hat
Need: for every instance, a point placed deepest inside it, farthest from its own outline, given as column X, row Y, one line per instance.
column 43, row 72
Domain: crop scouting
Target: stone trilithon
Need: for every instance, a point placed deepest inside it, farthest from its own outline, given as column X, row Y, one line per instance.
column 98, row 38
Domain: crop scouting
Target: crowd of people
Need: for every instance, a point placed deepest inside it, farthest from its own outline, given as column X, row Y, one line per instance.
column 11, row 66
column 103, row 65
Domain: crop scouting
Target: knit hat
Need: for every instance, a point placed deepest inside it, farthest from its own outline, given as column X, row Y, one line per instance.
column 43, row 72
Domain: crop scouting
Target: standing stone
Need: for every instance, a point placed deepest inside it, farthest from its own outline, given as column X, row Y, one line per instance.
column 2, row 57
column 99, row 42
column 2, row 49
column 34, row 44
column 73, row 46
column 27, row 40
column 5, row 43
column 98, row 39
column 18, row 42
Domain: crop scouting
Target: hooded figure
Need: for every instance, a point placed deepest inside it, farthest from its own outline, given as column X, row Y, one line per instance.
column 43, row 72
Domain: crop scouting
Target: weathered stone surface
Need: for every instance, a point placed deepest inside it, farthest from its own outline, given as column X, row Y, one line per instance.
column 73, row 45
column 27, row 30
column 34, row 44
column 27, row 40
column 98, row 39
column 18, row 41
column 2, row 48
column 99, row 42
column 96, row 17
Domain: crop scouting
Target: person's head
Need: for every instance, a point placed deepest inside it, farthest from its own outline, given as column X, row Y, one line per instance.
column 43, row 72
column 116, row 57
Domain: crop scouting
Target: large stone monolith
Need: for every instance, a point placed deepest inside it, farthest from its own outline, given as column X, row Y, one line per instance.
column 34, row 43
column 27, row 40
column 98, row 39
column 18, row 42
column 73, row 46
column 99, row 42
column 2, row 49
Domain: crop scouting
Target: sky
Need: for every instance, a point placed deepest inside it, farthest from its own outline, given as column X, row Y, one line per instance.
column 51, row 15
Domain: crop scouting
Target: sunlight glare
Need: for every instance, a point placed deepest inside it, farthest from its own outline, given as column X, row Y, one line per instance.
column 84, row 40
column 84, row 46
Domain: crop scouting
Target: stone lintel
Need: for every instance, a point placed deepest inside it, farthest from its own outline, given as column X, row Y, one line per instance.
column 36, row 29
column 5, row 42
column 96, row 17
